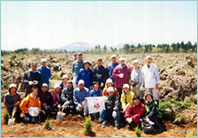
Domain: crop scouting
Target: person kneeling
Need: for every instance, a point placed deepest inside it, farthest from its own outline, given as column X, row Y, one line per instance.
column 112, row 109
column 12, row 100
column 31, row 107
column 153, row 113
column 80, row 95
column 67, row 98
column 135, row 111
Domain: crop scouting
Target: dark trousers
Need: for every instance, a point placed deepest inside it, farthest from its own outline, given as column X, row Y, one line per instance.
column 17, row 113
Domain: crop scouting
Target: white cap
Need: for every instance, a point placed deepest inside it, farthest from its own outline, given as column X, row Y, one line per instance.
column 43, row 60
column 110, row 89
column 81, row 82
column 121, row 59
column 65, row 76
column 44, row 85
column 148, row 57
column 136, row 61
column 56, row 86
column 113, row 56
column 12, row 86
column 109, row 81
column 126, row 86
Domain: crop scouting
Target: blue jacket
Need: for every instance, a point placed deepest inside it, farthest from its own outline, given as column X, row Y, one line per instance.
column 87, row 76
column 111, row 67
column 94, row 93
column 46, row 73
column 76, row 66
column 79, row 96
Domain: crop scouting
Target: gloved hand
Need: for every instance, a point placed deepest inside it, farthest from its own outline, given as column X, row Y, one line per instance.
column 121, row 75
column 35, row 82
column 149, row 121
column 114, row 114
column 31, row 83
column 129, row 120
column 102, row 84
column 59, row 106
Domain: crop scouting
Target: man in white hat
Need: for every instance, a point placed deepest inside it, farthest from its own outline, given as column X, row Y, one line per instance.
column 151, row 77
column 45, row 71
column 137, row 79
column 122, row 74
column 112, row 109
column 65, row 79
column 111, row 66
column 12, row 100
column 126, row 97
column 79, row 96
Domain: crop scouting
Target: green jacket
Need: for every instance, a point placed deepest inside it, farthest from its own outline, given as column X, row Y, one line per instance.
column 153, row 109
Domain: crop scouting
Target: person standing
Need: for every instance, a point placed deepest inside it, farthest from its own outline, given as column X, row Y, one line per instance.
column 137, row 79
column 111, row 66
column 151, row 78
column 122, row 74
column 32, row 78
column 76, row 66
column 100, row 73
column 86, row 75
column 45, row 71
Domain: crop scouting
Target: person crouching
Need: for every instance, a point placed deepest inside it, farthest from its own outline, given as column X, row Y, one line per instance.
column 31, row 107
column 112, row 109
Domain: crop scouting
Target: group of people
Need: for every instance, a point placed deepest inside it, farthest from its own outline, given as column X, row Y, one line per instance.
column 129, row 93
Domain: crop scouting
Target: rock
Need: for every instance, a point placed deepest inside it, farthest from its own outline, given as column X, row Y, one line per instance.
column 181, row 72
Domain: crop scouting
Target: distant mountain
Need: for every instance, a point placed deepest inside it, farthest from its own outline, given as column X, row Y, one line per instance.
column 77, row 46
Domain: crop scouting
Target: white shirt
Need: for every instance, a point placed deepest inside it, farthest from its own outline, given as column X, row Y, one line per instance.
column 150, row 75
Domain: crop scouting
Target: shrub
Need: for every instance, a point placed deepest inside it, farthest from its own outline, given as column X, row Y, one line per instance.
column 47, row 123
column 87, row 125
column 138, row 132
column 6, row 117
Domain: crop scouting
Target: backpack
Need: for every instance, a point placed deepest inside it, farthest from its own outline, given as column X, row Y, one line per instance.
column 147, row 127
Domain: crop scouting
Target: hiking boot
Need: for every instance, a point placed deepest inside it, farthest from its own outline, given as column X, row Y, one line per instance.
column 104, row 124
column 117, row 126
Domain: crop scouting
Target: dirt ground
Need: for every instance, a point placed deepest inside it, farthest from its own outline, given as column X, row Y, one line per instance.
column 73, row 127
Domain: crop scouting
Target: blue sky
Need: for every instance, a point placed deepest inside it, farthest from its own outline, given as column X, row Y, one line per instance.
column 49, row 25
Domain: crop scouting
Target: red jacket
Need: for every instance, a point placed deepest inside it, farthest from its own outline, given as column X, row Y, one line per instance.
column 55, row 99
column 135, row 112
column 126, row 70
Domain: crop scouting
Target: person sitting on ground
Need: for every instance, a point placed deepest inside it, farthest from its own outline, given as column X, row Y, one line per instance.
column 31, row 107
column 12, row 100
column 86, row 75
column 135, row 111
column 67, row 98
column 109, row 83
column 79, row 96
column 63, row 84
column 112, row 109
column 56, row 95
column 95, row 92
column 153, row 112
column 126, row 97
column 46, row 100
column 137, row 79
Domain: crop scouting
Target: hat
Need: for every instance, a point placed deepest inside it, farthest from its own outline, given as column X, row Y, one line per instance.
column 34, row 63
column 95, row 82
column 110, row 89
column 65, row 76
column 121, row 59
column 45, row 85
column 86, row 62
column 43, row 60
column 109, row 81
column 113, row 56
column 79, row 54
column 136, row 61
column 12, row 86
column 148, row 93
column 81, row 82
column 148, row 57
column 99, row 59
column 136, row 97
column 126, row 86
column 56, row 86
